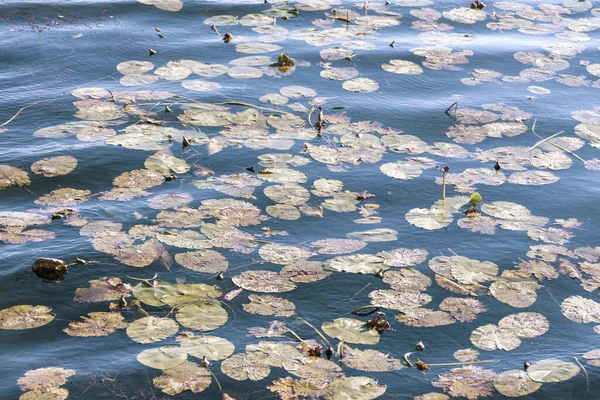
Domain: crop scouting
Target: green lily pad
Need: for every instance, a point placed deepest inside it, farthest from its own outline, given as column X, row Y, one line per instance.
column 25, row 317
column 350, row 330
column 552, row 370
column 205, row 316
column 162, row 357
column 151, row 329
column 212, row 347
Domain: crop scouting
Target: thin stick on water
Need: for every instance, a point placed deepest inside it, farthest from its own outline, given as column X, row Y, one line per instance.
column 294, row 334
column 23, row 109
column 587, row 377
column 463, row 363
column 455, row 105
column 544, row 140
column 316, row 330
column 357, row 293
column 556, row 145
column 216, row 380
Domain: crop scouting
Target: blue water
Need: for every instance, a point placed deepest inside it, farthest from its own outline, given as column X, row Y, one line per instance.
column 43, row 59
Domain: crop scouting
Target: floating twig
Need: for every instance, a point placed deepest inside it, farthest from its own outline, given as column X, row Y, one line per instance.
column 455, row 105
column 294, row 334
column 556, row 145
column 544, row 140
column 587, row 377
column 316, row 330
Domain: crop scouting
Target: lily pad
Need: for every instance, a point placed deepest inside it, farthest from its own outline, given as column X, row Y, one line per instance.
column 25, row 317
column 54, row 166
column 552, row 370
column 515, row 383
column 97, row 324
column 205, row 316
column 151, row 329
column 263, row 282
column 183, row 377
column 244, row 366
column 351, row 331
column 162, row 357
column 212, row 347
column 269, row 305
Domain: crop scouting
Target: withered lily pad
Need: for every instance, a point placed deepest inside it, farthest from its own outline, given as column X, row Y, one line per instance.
column 263, row 282
column 97, row 324
column 470, row 382
column 269, row 305
column 515, row 383
column 370, row 360
column 44, row 379
column 25, row 317
column 12, row 176
column 243, row 366
column 183, row 377
column 54, row 166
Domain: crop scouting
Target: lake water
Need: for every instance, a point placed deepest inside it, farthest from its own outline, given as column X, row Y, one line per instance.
column 112, row 87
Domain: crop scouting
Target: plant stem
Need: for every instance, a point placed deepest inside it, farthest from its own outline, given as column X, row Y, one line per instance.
column 316, row 330
column 216, row 380
column 294, row 334
column 443, row 187
column 462, row 363
column 364, row 308
column 587, row 377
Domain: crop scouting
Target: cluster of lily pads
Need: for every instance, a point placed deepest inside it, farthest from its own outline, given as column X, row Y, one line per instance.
column 288, row 132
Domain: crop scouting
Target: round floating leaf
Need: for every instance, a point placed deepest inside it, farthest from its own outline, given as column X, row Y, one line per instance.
column 183, row 377
column 212, row 347
column 580, row 309
column 351, row 331
column 55, row 393
column 491, row 337
column 429, row 219
column 283, row 254
column 151, row 329
column 245, row 366
column 519, row 294
column 470, row 382
column 12, row 176
column 275, row 354
column 305, row 271
column 97, row 324
column 205, row 261
column 204, row 316
column 355, row 387
column 338, row 246
column 552, row 370
column 44, row 379
column 139, row 179
column 105, row 289
column 370, row 360
column 153, row 294
column 465, row 355
column 54, row 166
column 313, row 368
column 269, row 305
column 407, row 279
column 162, row 357
column 464, row 310
column 164, row 162
column 467, row 271
column 263, row 281
column 425, row 317
column 515, row 383
column 358, row 264
column 65, row 197
column 25, row 317
column 363, row 85
column 402, row 257
column 402, row 67
column 399, row 300
column 526, row 325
